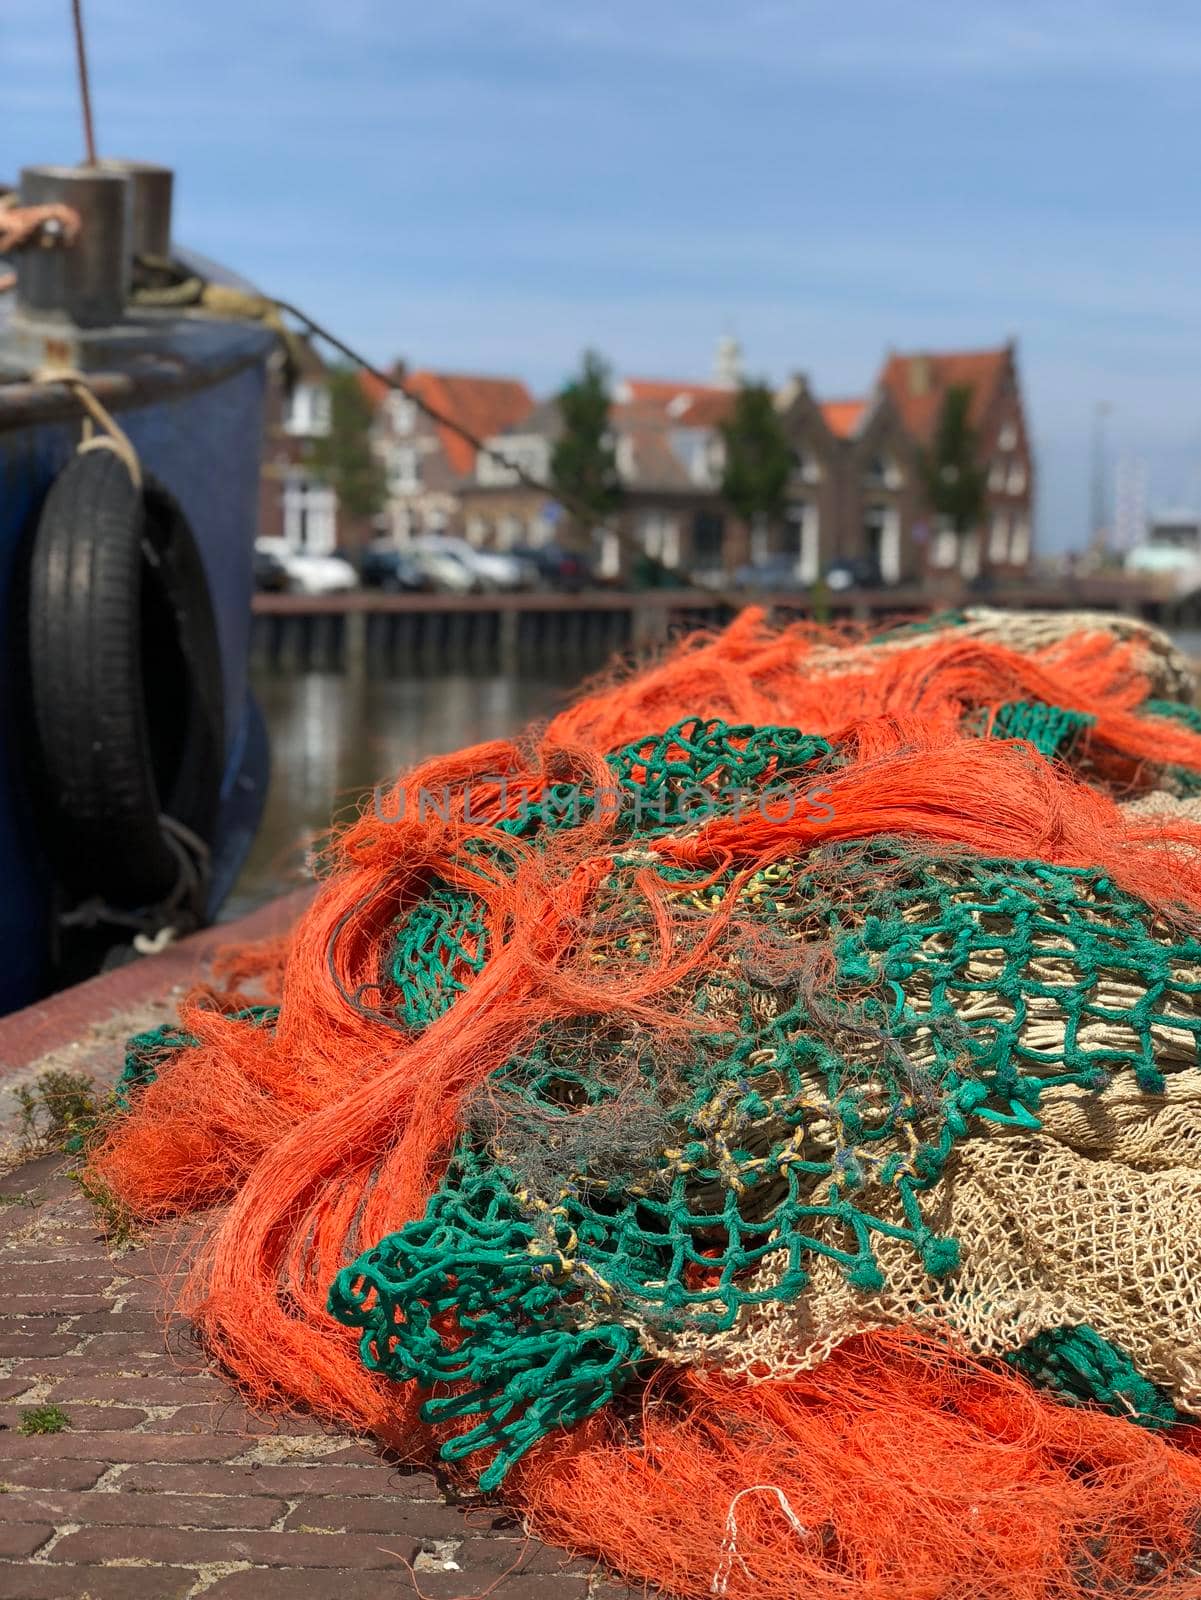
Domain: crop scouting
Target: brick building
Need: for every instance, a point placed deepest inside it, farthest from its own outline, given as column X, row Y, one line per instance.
column 856, row 494
column 293, row 503
column 428, row 463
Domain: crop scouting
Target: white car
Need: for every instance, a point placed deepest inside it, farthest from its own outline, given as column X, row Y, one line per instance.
column 310, row 574
column 457, row 565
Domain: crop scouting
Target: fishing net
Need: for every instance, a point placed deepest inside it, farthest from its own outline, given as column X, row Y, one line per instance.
column 754, row 1122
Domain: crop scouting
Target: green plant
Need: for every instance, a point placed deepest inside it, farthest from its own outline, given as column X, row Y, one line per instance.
column 759, row 461
column 584, row 464
column 954, row 478
column 44, row 1419
column 115, row 1219
column 58, row 1110
column 343, row 458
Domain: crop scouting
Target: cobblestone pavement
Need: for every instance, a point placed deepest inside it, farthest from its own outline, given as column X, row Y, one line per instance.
column 163, row 1486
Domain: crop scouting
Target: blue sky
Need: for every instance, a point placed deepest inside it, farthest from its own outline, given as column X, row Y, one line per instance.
column 492, row 186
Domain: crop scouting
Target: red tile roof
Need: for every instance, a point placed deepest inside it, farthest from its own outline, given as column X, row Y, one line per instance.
column 662, row 391
column 483, row 406
column 918, row 384
column 842, row 416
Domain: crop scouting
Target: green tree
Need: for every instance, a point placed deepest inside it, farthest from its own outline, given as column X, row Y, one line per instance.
column 759, row 457
column 343, row 458
column 954, row 478
column 583, row 467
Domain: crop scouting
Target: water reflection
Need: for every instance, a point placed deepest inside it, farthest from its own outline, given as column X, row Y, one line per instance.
column 335, row 735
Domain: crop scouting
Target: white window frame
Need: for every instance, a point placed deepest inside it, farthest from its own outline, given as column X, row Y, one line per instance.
column 404, row 469
column 944, row 552
column 1019, row 542
column 402, row 414
column 310, row 516
column 998, row 539
column 308, row 412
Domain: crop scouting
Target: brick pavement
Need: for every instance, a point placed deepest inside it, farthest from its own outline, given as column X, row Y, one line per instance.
column 164, row 1486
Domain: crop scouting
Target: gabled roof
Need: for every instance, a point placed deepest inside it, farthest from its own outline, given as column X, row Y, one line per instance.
column 842, row 417
column 484, row 406
column 662, row 391
column 918, row 383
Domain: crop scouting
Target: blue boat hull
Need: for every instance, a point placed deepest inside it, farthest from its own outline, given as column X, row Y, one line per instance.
column 202, row 442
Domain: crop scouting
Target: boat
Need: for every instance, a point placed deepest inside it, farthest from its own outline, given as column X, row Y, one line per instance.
column 133, row 758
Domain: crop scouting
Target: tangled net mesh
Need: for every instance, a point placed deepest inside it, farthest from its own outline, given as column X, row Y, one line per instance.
column 754, row 1121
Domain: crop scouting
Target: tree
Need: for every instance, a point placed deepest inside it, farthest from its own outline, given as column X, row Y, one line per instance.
column 343, row 458
column 954, row 478
column 759, row 457
column 583, row 467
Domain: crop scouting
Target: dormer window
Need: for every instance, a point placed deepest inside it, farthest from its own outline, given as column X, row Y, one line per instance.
column 806, row 465
column 402, row 413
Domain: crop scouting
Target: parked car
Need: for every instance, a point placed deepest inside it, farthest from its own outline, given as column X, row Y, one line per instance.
column 453, row 563
column 394, row 570
column 270, row 573
column 853, row 573
column 781, row 571
column 555, row 567
column 306, row 573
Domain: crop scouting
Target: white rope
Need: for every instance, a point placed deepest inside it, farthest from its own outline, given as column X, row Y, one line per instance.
column 729, row 1544
column 111, row 436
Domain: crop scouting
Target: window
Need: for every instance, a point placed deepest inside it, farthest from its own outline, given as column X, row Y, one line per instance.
column 310, row 516
column 627, row 465
column 405, row 474
column 806, row 464
column 945, row 551
column 998, row 539
column 1007, row 437
column 1019, row 546
column 882, row 472
column 477, row 529
column 402, row 413
column 509, row 532
column 996, row 475
column 1017, row 478
column 308, row 411
column 708, row 541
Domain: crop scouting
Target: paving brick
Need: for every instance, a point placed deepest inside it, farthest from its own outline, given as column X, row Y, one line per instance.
column 517, row 1585
column 224, row 1414
column 103, row 1418
column 56, row 1305
column 135, row 1390
column 290, row 1583
column 521, row 1554
column 26, row 1342
column 186, row 1547
column 290, row 1480
column 22, row 1538
column 114, row 1508
column 10, row 1387
column 118, row 1447
column 45, row 1581
column 418, row 1519
column 50, row 1474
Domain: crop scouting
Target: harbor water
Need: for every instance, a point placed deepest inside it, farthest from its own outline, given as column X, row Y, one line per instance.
column 335, row 735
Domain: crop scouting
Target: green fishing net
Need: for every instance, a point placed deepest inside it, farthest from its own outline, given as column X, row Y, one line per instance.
column 870, row 1011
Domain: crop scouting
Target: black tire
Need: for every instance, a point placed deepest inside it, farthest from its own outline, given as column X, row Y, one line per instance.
column 124, row 672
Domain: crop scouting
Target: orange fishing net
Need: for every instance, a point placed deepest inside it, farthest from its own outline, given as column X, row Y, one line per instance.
column 462, row 960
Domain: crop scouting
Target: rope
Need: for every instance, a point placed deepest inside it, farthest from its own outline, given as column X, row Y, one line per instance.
column 46, row 226
column 112, row 436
